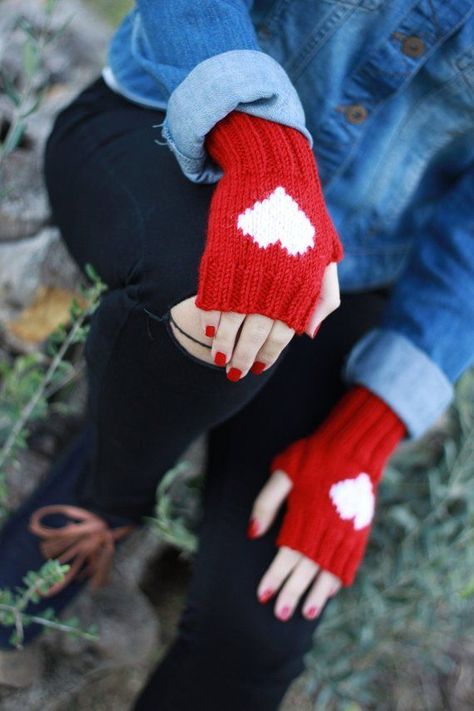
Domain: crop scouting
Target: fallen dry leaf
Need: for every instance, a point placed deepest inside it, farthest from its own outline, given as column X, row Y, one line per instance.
column 48, row 310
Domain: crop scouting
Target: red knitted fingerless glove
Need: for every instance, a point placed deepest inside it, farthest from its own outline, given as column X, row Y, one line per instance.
column 335, row 474
column 269, row 235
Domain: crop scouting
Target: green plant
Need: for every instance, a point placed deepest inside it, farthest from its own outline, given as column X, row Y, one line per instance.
column 14, row 604
column 112, row 10
column 23, row 93
column 30, row 380
column 173, row 514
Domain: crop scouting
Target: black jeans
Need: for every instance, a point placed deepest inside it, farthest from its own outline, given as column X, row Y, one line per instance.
column 123, row 205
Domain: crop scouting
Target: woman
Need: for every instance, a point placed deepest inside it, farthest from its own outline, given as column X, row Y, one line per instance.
column 220, row 257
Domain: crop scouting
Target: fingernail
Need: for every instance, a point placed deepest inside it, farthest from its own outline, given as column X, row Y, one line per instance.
column 234, row 374
column 220, row 358
column 312, row 612
column 258, row 367
column 210, row 331
column 253, row 528
column 316, row 330
column 265, row 595
column 284, row 613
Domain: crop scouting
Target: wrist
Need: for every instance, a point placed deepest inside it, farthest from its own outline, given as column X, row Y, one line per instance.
column 365, row 426
column 361, row 429
column 244, row 143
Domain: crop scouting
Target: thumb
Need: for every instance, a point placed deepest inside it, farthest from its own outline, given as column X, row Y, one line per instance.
column 328, row 301
column 268, row 502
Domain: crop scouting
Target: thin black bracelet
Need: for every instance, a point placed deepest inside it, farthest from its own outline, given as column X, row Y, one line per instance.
column 187, row 334
column 169, row 317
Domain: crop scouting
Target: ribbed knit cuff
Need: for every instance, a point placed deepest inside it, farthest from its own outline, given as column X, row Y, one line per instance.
column 365, row 427
column 267, row 286
column 249, row 145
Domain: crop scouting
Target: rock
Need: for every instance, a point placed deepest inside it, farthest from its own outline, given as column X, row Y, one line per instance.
column 20, row 270
column 19, row 669
column 27, row 264
column 22, row 477
column 24, row 209
column 69, row 63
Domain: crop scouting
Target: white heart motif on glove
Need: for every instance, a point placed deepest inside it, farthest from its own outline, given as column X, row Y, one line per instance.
column 278, row 218
column 354, row 499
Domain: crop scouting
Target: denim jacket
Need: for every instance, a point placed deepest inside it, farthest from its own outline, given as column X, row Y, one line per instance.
column 384, row 92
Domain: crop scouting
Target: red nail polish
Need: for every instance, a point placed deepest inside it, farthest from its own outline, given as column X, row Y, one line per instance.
column 210, row 331
column 253, row 528
column 284, row 612
column 312, row 612
column 258, row 367
column 265, row 595
column 220, row 358
column 316, row 330
column 234, row 374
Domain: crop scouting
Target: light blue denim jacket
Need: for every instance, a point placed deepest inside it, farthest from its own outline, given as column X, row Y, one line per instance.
column 384, row 92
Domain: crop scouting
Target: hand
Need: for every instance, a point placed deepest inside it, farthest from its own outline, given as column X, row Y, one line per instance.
column 290, row 570
column 254, row 342
column 331, row 479
column 270, row 236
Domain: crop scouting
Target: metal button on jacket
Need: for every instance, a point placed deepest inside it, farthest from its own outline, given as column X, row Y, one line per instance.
column 413, row 46
column 356, row 113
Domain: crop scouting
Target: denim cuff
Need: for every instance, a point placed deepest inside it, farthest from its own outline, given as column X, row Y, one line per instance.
column 244, row 79
column 402, row 375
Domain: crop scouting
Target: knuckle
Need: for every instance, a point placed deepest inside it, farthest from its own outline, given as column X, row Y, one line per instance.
column 293, row 589
column 232, row 317
column 261, row 326
column 224, row 337
column 256, row 335
column 247, row 353
column 278, row 342
column 268, row 355
column 242, row 360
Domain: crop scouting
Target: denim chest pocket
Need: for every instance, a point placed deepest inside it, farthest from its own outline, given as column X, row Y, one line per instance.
column 352, row 96
column 292, row 31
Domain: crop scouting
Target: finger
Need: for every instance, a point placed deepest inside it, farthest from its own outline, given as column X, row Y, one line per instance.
column 328, row 301
column 253, row 334
column 277, row 340
column 209, row 322
column 268, row 502
column 226, row 334
column 281, row 566
column 325, row 586
column 294, row 587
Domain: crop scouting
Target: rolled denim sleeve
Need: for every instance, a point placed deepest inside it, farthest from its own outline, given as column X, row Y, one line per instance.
column 207, row 57
column 426, row 337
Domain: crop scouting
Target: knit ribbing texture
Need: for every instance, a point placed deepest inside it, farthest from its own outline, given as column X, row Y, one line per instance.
column 269, row 235
column 335, row 474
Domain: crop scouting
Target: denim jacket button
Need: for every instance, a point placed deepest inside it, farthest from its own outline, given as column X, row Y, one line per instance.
column 413, row 46
column 356, row 113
